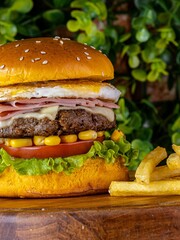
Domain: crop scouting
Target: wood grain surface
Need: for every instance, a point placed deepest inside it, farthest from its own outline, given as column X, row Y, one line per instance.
column 90, row 217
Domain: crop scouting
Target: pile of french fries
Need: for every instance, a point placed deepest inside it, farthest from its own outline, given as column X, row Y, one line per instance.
column 151, row 179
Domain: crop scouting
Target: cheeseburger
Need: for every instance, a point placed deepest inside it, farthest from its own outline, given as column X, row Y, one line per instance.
column 54, row 110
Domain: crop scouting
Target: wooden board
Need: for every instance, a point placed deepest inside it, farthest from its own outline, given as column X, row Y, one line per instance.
column 90, row 217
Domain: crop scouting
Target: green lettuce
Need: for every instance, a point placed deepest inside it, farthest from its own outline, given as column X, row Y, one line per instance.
column 108, row 150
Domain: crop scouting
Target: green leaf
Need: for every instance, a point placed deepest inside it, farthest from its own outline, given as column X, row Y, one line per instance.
column 92, row 9
column 167, row 33
column 2, row 39
column 144, row 147
column 133, row 61
column 176, row 125
column 134, row 49
column 135, row 120
column 178, row 58
column 103, row 10
column 123, row 109
column 54, row 16
column 126, row 129
column 141, row 4
column 148, row 54
column 139, row 74
column 124, row 37
column 124, row 50
column 29, row 30
column 61, row 3
column 5, row 15
column 150, row 15
column 145, row 134
column 77, row 4
column 83, row 19
column 8, row 29
column 161, row 44
column 22, row 6
column 73, row 25
column 112, row 33
column 138, row 22
column 142, row 35
column 153, row 75
column 176, row 138
column 163, row 17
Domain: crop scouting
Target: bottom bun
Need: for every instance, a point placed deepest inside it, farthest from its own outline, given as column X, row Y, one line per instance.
column 94, row 177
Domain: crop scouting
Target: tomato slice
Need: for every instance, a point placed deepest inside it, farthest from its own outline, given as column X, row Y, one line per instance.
column 61, row 150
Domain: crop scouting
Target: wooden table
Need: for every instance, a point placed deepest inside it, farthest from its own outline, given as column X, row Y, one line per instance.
column 90, row 217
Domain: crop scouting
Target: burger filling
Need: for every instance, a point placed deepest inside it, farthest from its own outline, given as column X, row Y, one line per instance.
column 65, row 122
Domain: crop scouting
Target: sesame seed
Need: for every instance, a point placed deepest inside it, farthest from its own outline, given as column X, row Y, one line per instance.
column 37, row 59
column 78, row 59
column 86, row 53
column 100, row 51
column 42, row 52
column 66, row 39
column 2, row 66
column 93, row 47
column 57, row 37
column 32, row 60
column 27, row 50
column 45, row 62
column 38, row 41
column 61, row 42
column 88, row 57
column 85, row 48
column 21, row 58
column 17, row 45
column 102, row 73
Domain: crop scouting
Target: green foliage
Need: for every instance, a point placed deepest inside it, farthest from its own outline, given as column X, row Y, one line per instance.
column 11, row 14
column 19, row 18
column 155, row 30
column 86, row 15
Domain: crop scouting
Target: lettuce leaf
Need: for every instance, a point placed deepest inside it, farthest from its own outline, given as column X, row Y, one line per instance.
column 108, row 150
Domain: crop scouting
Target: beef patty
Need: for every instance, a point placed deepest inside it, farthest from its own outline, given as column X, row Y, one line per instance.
column 66, row 122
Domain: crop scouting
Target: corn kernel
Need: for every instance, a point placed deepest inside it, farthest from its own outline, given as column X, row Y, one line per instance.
column 38, row 140
column 21, row 142
column 87, row 135
column 116, row 135
column 69, row 138
column 100, row 133
column 52, row 140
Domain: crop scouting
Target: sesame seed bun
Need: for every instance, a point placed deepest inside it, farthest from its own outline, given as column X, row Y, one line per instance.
column 94, row 177
column 42, row 59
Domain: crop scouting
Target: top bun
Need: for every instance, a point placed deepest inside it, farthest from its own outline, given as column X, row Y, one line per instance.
column 42, row 59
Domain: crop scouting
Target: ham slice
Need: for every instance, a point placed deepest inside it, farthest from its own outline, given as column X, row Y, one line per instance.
column 9, row 109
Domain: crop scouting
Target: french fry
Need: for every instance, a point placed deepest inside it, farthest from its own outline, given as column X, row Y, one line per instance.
column 163, row 172
column 156, row 188
column 148, row 164
column 173, row 161
column 176, row 148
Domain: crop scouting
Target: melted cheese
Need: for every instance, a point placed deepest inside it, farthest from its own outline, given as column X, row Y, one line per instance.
column 51, row 112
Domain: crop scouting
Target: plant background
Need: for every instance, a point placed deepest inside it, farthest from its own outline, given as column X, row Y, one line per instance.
column 142, row 39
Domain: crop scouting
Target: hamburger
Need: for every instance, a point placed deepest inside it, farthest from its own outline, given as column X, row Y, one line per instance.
column 54, row 110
